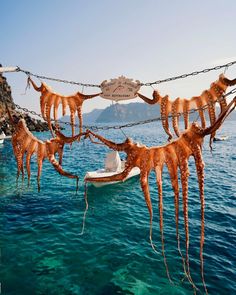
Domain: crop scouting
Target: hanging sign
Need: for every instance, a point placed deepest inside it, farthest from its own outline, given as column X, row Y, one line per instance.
column 120, row 88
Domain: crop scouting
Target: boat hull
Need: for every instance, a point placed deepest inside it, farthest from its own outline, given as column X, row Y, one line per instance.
column 103, row 173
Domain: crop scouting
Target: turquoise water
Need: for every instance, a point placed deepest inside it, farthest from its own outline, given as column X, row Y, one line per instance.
column 42, row 251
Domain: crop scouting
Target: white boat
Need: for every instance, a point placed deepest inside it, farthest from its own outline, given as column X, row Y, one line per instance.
column 221, row 138
column 2, row 137
column 113, row 166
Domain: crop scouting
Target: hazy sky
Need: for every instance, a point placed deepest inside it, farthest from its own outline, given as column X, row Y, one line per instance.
column 92, row 41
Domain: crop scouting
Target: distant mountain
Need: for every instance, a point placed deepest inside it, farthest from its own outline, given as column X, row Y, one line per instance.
column 87, row 117
column 132, row 112
column 92, row 116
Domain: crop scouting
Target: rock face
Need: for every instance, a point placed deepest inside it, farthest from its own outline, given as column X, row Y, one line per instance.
column 6, row 98
column 5, row 95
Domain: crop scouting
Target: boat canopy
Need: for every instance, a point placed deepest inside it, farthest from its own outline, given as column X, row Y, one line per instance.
column 113, row 162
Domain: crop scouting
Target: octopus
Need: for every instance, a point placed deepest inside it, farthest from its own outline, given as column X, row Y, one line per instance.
column 25, row 143
column 175, row 155
column 207, row 99
column 49, row 99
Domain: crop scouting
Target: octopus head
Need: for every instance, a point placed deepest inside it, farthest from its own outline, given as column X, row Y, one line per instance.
column 156, row 96
column 195, row 133
column 129, row 141
column 196, row 128
column 45, row 88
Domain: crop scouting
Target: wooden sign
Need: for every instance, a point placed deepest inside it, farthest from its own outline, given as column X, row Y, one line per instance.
column 121, row 88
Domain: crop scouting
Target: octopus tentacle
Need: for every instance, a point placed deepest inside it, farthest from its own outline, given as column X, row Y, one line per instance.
column 175, row 116
column 212, row 129
column 18, row 148
column 60, row 152
column 156, row 97
column 227, row 81
column 223, row 104
column 200, row 173
column 109, row 143
column 48, row 111
column 158, row 171
column 165, row 104
column 218, row 91
column 59, row 169
column 87, row 96
column 211, row 109
column 79, row 112
column 200, row 104
column 57, row 102
column 65, row 139
column 34, row 85
column 64, row 105
column 146, row 192
column 117, row 177
column 175, row 155
column 43, row 103
column 48, row 99
column 206, row 100
column 40, row 157
column 183, row 151
column 24, row 142
column 72, row 107
column 184, row 180
column 186, row 107
column 171, row 163
column 19, row 163
column 31, row 150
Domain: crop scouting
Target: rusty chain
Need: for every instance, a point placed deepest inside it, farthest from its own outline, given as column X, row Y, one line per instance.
column 56, row 79
column 190, row 74
column 128, row 125
column 18, row 69
column 183, row 76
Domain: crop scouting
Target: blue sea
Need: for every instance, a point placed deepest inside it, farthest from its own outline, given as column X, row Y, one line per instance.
column 44, row 252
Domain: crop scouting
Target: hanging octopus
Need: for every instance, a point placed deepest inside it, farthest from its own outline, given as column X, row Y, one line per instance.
column 183, row 105
column 24, row 142
column 50, row 99
column 174, row 155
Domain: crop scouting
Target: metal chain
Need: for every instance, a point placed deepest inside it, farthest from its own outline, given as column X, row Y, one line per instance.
column 132, row 124
column 190, row 74
column 55, row 79
column 18, row 69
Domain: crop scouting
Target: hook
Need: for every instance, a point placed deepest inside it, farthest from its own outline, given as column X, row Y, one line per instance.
column 123, row 132
column 226, row 68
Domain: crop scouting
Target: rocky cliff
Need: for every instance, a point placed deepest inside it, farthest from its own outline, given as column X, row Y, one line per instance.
column 6, row 98
column 5, row 95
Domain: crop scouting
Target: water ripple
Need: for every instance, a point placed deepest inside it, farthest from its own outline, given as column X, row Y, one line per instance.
column 42, row 249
